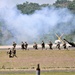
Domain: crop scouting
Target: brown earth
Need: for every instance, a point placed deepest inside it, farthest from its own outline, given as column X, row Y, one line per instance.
column 48, row 59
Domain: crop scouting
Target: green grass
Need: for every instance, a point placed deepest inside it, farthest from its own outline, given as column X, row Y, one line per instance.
column 43, row 73
column 58, row 73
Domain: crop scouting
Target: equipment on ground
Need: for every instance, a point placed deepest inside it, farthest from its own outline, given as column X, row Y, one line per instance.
column 71, row 43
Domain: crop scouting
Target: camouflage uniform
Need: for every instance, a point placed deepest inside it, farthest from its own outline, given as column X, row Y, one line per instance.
column 35, row 46
column 10, row 53
column 64, row 45
column 14, row 52
column 14, row 45
column 50, row 45
column 22, row 45
column 43, row 45
column 26, row 45
column 58, row 46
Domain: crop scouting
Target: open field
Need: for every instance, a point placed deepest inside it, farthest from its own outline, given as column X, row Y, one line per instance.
column 34, row 73
column 48, row 60
column 52, row 62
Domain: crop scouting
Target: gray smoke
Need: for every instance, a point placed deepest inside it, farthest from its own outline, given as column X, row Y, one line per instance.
column 32, row 27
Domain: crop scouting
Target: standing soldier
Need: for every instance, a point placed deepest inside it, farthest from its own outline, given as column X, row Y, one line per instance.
column 64, row 45
column 22, row 45
column 58, row 45
column 14, row 45
column 50, row 45
column 35, row 45
column 38, row 70
column 26, row 45
column 43, row 45
column 14, row 52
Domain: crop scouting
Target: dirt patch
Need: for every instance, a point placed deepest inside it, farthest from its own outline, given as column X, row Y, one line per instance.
column 48, row 60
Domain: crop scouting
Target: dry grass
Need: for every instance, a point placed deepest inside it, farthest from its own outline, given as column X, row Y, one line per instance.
column 47, row 59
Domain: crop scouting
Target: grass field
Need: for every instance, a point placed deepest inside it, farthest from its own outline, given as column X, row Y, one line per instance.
column 61, row 61
column 43, row 73
column 48, row 59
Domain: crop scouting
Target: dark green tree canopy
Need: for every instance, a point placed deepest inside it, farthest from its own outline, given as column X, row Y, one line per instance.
column 61, row 1
column 29, row 8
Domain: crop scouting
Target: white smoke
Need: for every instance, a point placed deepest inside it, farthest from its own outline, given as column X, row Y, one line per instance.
column 31, row 27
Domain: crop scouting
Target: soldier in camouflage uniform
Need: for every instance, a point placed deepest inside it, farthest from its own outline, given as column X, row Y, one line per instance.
column 14, row 52
column 50, row 45
column 10, row 53
column 64, row 45
column 22, row 46
column 26, row 45
column 14, row 45
column 58, row 45
column 43, row 45
column 35, row 45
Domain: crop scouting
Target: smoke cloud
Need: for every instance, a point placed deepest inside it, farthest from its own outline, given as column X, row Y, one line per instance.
column 32, row 27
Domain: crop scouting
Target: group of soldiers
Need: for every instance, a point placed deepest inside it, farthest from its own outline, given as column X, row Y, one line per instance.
column 24, row 45
column 12, row 52
column 35, row 46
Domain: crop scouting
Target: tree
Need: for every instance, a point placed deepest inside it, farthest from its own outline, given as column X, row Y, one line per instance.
column 29, row 8
column 73, row 0
column 61, row 1
column 71, row 6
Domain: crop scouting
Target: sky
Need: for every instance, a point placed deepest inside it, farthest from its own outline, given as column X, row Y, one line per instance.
column 37, row 1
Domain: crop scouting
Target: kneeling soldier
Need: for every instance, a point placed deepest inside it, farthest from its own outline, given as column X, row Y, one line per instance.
column 10, row 53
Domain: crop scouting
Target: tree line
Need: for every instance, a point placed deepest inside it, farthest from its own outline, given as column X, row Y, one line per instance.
column 29, row 8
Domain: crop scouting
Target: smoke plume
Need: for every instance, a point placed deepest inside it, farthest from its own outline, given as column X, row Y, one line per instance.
column 32, row 27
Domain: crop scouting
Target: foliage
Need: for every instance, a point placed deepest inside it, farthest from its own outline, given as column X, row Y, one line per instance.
column 29, row 8
column 61, row 1
column 69, row 36
column 71, row 6
column 66, row 3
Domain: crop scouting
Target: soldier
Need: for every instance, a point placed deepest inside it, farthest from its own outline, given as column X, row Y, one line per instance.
column 35, row 45
column 43, row 45
column 22, row 45
column 14, row 52
column 58, row 45
column 14, row 44
column 50, row 45
column 64, row 45
column 10, row 53
column 38, row 70
column 26, row 45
